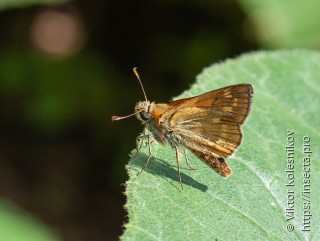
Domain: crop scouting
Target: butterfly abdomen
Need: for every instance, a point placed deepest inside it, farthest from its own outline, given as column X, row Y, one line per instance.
column 216, row 163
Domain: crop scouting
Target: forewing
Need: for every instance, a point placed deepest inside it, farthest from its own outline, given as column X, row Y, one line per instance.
column 234, row 100
column 210, row 123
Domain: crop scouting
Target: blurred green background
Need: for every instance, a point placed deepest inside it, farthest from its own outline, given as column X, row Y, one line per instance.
column 66, row 68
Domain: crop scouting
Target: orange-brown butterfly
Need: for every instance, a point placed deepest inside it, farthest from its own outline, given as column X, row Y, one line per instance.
column 208, row 124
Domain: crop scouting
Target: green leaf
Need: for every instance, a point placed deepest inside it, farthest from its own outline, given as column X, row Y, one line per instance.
column 286, row 23
column 17, row 225
column 250, row 204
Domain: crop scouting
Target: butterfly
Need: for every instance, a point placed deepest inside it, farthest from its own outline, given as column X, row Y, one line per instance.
column 209, row 125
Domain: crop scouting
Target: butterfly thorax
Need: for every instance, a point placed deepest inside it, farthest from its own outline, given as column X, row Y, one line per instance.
column 150, row 115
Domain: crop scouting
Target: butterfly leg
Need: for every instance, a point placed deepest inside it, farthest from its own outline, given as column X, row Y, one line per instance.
column 177, row 159
column 150, row 153
column 139, row 142
column 187, row 161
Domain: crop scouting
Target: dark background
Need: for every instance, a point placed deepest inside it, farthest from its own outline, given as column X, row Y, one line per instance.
column 61, row 158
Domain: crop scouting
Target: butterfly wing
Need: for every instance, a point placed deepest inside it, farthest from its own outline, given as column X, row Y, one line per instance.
column 209, row 124
column 234, row 100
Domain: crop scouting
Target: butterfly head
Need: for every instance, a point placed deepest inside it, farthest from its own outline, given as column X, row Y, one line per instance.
column 142, row 111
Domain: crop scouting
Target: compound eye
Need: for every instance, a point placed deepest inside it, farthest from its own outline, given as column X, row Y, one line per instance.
column 144, row 116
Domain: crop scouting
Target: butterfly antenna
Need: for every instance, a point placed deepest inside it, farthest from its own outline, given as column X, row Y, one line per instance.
column 115, row 118
column 138, row 77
